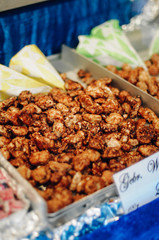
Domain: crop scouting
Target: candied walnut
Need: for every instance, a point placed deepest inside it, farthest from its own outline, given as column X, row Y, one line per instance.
column 60, row 96
column 126, row 109
column 27, row 111
column 64, row 157
column 111, row 152
column 148, row 63
column 123, row 96
column 40, row 122
column 113, row 143
column 56, row 177
column 19, row 161
column 94, row 91
column 83, row 159
column 126, row 147
column 155, row 58
column 13, row 115
column 74, row 107
column 94, row 109
column 72, row 85
column 127, row 127
column 7, row 102
column 83, row 74
column 96, row 142
column 147, row 150
column 124, row 138
column 71, row 120
column 60, row 199
column 75, row 138
column 115, row 91
column 132, row 79
column 135, row 103
column 60, row 146
column 114, row 135
column 43, row 101
column 40, row 157
column 152, row 86
column 142, row 85
column 62, row 108
column 147, row 113
column 145, row 134
column 65, row 181
column 123, row 74
column 59, row 128
column 18, row 130
column 107, row 177
column 93, row 184
column 133, row 142
column 114, row 118
column 103, row 82
column 110, row 106
column 43, row 143
column 41, row 174
column 130, row 158
column 19, row 146
column 99, row 167
column 85, row 100
column 3, row 117
column 92, row 118
column 143, row 76
column 112, row 68
column 155, row 123
column 25, row 97
column 5, row 152
column 115, row 165
column 107, row 127
column 24, row 171
column 59, row 167
column 76, row 93
column 31, row 108
column 53, row 114
column 4, row 141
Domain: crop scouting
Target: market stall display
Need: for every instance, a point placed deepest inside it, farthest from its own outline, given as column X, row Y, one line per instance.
column 68, row 133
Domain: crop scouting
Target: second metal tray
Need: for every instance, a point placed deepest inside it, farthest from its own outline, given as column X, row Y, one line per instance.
column 69, row 62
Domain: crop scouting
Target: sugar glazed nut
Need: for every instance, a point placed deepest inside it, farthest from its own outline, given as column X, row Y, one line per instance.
column 68, row 144
column 145, row 80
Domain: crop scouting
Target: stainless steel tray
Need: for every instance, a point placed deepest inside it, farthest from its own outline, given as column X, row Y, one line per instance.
column 69, row 61
column 35, row 216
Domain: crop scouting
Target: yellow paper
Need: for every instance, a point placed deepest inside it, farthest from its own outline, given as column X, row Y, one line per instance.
column 12, row 83
column 33, row 63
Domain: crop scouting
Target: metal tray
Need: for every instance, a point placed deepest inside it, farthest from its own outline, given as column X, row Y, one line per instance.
column 35, row 216
column 69, row 61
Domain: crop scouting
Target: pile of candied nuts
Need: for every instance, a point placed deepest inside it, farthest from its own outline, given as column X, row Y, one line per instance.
column 68, row 144
column 145, row 80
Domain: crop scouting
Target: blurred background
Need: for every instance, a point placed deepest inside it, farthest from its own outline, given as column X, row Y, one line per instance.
column 49, row 24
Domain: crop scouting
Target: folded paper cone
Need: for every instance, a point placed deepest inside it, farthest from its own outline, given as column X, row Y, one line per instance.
column 33, row 63
column 107, row 44
column 12, row 83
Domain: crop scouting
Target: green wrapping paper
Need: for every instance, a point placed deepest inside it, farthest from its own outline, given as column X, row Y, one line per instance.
column 154, row 46
column 107, row 44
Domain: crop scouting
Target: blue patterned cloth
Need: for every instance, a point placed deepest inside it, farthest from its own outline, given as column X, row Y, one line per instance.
column 52, row 23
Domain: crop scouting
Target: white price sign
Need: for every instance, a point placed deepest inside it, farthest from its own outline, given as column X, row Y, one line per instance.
column 139, row 183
